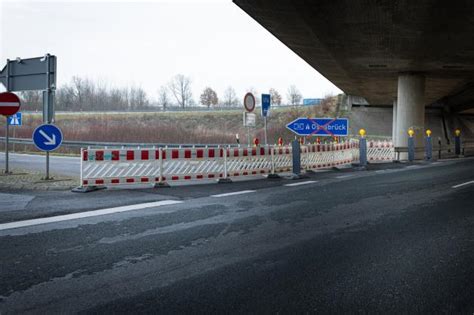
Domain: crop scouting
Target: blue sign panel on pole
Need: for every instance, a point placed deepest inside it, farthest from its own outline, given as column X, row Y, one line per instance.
column 265, row 104
column 312, row 101
column 320, row 127
column 47, row 137
column 15, row 119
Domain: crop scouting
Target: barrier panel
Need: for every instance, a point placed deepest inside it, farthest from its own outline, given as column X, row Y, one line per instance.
column 380, row 151
column 110, row 167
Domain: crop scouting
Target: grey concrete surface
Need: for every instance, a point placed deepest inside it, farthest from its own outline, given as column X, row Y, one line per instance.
column 361, row 46
column 397, row 238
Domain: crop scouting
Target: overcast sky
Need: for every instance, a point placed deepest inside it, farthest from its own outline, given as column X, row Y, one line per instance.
column 146, row 43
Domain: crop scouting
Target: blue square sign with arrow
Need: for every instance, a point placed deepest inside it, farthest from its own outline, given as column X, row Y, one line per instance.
column 265, row 104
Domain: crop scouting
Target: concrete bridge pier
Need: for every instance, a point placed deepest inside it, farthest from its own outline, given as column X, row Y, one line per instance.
column 410, row 107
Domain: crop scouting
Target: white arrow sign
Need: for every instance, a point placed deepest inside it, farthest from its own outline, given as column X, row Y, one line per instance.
column 50, row 141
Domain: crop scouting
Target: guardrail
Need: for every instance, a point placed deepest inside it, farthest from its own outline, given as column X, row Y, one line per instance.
column 92, row 144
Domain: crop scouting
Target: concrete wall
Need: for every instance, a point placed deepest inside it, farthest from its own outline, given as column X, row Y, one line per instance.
column 378, row 122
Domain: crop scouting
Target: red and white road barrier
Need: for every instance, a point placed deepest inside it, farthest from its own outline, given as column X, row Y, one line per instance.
column 111, row 167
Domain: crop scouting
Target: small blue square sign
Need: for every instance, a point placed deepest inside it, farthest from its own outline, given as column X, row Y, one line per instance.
column 15, row 119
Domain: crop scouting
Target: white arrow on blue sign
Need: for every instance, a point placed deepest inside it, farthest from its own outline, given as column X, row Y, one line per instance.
column 47, row 137
column 15, row 119
column 321, row 127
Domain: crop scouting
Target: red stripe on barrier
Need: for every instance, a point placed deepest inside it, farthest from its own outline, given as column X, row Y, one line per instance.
column 254, row 172
column 130, row 180
column 254, row 151
column 144, row 179
column 211, row 176
column 163, row 152
column 174, row 177
column 287, row 151
column 85, row 155
column 115, row 181
column 211, row 153
column 145, row 155
column 262, row 151
column 99, row 155
column 99, row 181
column 221, row 152
column 199, row 176
column 130, row 155
column 262, row 171
column 245, row 173
column 236, row 152
column 175, row 154
column 115, row 155
column 245, row 152
column 157, row 154
column 236, row 174
column 85, row 182
column 187, row 154
column 199, row 153
column 187, row 177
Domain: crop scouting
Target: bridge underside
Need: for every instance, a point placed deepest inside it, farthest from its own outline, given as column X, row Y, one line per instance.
column 363, row 46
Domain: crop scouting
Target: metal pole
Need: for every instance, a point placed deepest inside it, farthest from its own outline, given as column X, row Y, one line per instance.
column 428, row 148
column 225, row 161
column 248, row 136
column 47, row 108
column 82, row 159
column 7, row 171
column 273, row 159
column 265, row 122
column 363, row 151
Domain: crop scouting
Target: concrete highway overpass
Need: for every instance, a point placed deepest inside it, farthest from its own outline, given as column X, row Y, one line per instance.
column 411, row 54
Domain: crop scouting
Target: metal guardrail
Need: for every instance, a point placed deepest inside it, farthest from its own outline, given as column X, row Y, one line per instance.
column 93, row 144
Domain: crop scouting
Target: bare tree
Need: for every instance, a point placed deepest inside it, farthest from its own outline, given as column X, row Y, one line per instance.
column 293, row 95
column 31, row 100
column 275, row 97
column 163, row 98
column 230, row 98
column 180, row 87
column 209, row 97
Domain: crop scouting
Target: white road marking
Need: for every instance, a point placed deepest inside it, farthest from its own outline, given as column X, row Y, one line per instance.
column 301, row 183
column 463, row 184
column 233, row 193
column 344, row 176
column 87, row 214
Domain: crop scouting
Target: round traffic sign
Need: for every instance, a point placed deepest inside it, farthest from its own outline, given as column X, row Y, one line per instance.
column 9, row 103
column 249, row 102
column 47, row 137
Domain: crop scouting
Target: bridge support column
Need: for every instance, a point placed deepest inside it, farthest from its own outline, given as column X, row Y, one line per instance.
column 394, row 122
column 410, row 112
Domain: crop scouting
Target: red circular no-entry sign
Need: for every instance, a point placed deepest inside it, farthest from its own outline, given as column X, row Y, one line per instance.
column 9, row 103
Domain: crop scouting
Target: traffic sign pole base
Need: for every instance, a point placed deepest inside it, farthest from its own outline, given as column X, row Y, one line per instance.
column 224, row 180
column 86, row 189
column 47, row 178
column 161, row 185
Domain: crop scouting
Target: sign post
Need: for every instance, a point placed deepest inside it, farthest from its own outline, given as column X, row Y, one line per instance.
column 9, row 105
column 33, row 74
column 249, row 105
column 47, row 137
column 265, row 108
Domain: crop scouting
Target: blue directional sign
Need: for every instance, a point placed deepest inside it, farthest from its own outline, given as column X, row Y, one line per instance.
column 47, row 137
column 312, row 101
column 265, row 104
column 15, row 119
column 321, row 127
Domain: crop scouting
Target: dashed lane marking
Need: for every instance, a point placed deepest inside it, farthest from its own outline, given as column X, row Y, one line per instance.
column 87, row 214
column 301, row 183
column 344, row 176
column 463, row 184
column 233, row 193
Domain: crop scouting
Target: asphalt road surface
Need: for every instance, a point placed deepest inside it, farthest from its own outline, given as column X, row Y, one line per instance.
column 394, row 240
column 61, row 165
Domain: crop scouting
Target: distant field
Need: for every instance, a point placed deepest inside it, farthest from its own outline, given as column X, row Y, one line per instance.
column 165, row 127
